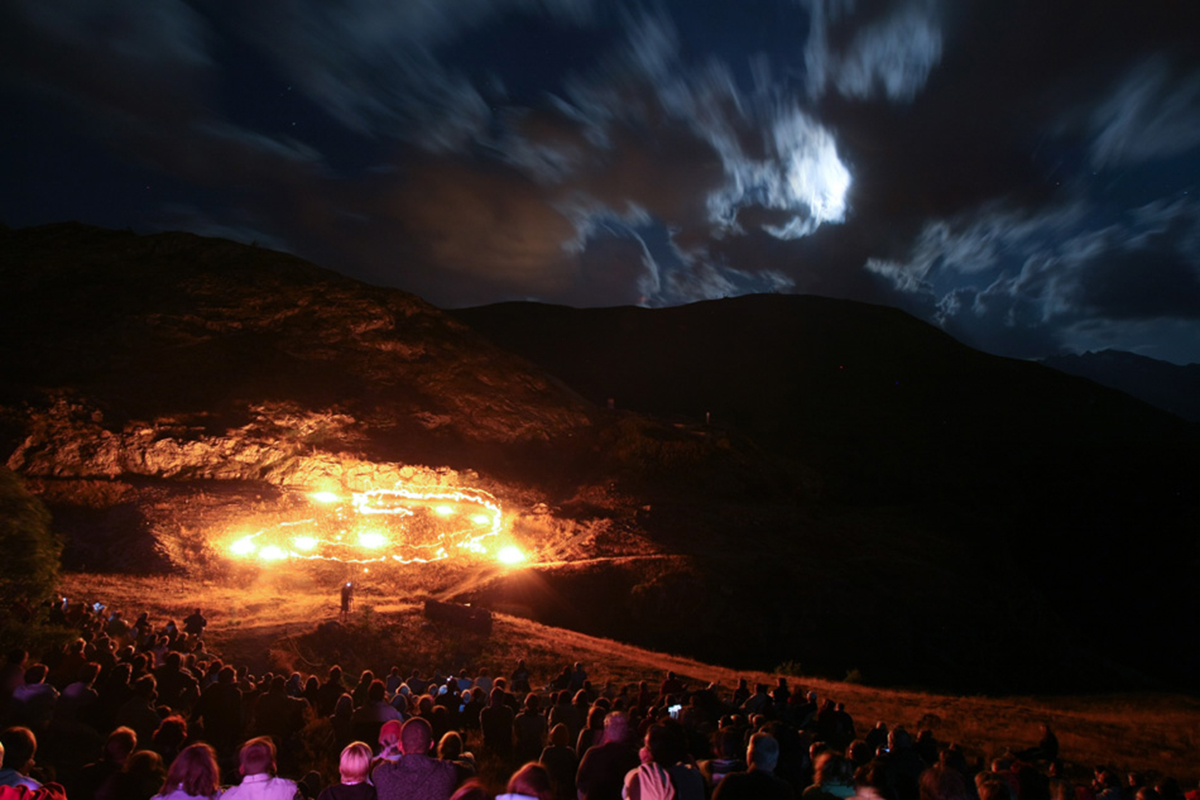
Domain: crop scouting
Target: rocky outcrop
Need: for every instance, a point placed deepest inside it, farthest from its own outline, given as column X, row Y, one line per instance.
column 69, row 441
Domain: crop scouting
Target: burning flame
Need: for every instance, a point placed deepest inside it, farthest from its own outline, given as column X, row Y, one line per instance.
column 412, row 525
column 510, row 555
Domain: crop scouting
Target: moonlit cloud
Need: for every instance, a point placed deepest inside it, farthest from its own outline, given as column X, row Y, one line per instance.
column 891, row 55
column 1151, row 114
column 796, row 169
column 1046, row 274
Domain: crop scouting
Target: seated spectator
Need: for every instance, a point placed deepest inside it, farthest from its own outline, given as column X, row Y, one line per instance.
column 389, row 741
column 990, row 786
column 560, row 762
column 117, row 748
column 450, row 748
column 79, row 698
column 1047, row 747
column 496, row 722
column 471, row 790
column 727, row 750
column 256, row 763
column 941, row 783
column 170, row 737
column 417, row 775
column 593, row 733
column 519, row 679
column 353, row 766
column 140, row 779
column 18, row 746
column 530, row 782
column 33, row 701
column 139, row 711
column 759, row 781
column 530, row 729
column 194, row 624
column 833, row 778
column 664, row 751
column 193, row 775
column 602, row 771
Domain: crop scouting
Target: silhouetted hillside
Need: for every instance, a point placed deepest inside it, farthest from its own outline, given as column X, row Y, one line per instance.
column 869, row 494
column 1170, row 387
column 1084, row 495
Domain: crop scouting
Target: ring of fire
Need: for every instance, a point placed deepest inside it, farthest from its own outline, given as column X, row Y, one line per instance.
column 403, row 525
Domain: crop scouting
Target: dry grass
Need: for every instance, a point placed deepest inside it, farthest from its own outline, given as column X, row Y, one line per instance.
column 268, row 622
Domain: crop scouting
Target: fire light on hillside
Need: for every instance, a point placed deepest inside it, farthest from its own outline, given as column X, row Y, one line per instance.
column 404, row 525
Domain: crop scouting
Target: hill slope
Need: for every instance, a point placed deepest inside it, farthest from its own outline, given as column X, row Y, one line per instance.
column 1070, row 501
column 1170, row 387
column 871, row 495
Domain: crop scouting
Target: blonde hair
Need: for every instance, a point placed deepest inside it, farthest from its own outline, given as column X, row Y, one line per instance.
column 356, row 761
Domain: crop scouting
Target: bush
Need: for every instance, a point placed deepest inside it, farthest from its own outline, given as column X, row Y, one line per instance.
column 29, row 572
column 791, row 668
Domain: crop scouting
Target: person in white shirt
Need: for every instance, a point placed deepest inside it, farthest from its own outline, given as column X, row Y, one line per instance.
column 257, row 765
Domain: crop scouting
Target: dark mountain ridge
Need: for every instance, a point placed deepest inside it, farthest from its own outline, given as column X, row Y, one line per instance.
column 1171, row 387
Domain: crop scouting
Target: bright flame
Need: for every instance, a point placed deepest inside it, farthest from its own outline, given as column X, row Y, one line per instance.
column 480, row 519
column 272, row 553
column 243, row 547
column 445, row 511
column 372, row 539
column 325, row 497
column 304, row 543
column 510, row 555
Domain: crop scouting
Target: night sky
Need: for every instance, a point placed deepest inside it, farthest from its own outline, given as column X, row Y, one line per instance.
column 1024, row 174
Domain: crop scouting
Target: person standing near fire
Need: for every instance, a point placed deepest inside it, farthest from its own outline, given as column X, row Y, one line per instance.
column 347, row 600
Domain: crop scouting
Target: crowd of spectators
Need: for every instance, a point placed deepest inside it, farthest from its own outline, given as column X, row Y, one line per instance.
column 131, row 711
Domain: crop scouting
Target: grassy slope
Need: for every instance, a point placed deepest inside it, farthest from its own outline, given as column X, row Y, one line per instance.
column 269, row 625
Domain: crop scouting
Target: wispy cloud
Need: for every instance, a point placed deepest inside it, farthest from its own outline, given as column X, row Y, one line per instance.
column 1046, row 273
column 1152, row 113
column 892, row 54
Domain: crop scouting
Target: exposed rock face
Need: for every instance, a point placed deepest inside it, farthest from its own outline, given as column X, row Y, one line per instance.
column 69, row 441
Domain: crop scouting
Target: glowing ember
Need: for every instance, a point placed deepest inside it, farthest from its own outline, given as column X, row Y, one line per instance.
column 403, row 525
column 510, row 555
